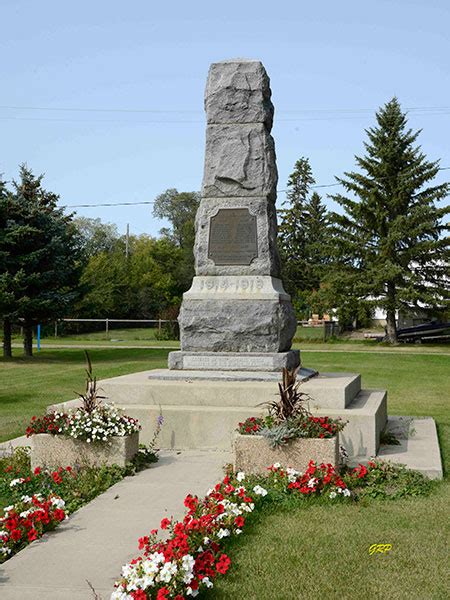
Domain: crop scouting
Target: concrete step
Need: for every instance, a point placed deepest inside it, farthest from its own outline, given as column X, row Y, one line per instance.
column 419, row 445
column 242, row 388
column 204, row 412
column 366, row 417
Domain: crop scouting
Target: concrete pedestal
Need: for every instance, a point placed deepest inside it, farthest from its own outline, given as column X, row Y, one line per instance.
column 202, row 409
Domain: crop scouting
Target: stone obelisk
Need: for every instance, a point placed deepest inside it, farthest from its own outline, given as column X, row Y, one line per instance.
column 237, row 316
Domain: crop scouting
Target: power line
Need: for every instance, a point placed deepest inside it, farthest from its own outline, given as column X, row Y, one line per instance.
column 184, row 111
column 327, row 185
column 321, row 114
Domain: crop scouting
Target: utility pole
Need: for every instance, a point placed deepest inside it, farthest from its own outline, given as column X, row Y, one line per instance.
column 127, row 240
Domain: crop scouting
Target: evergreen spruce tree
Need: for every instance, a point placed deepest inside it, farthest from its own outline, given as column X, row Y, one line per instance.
column 7, row 287
column 43, row 248
column 302, row 237
column 389, row 243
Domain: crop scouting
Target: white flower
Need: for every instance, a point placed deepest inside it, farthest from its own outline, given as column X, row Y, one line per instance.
column 15, row 482
column 292, row 474
column 58, row 502
column 206, row 581
column 188, row 561
column 26, row 498
column 120, row 594
column 8, row 508
column 223, row 533
column 168, row 569
column 191, row 592
column 333, row 494
column 260, row 491
column 240, row 476
column 346, row 492
column 276, row 466
column 206, row 540
column 238, row 531
column 312, row 482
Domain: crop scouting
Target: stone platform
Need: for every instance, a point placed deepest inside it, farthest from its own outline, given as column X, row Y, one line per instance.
column 202, row 409
column 419, row 445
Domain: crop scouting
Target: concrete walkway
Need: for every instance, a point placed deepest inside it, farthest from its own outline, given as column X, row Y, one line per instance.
column 94, row 543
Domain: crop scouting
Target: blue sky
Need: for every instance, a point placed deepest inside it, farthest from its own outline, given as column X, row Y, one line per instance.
column 331, row 65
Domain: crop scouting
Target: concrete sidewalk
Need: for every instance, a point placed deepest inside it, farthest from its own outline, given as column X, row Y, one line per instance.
column 94, row 543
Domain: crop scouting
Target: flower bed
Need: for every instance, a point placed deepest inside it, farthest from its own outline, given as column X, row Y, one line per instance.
column 27, row 520
column 288, row 434
column 194, row 554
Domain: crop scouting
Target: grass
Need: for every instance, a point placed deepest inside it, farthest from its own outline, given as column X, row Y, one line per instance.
column 140, row 336
column 312, row 552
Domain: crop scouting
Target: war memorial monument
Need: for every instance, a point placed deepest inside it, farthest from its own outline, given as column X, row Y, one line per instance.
column 236, row 320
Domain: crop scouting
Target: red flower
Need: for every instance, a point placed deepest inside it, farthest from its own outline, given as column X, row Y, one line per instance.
column 56, row 477
column 143, row 541
column 239, row 522
column 223, row 564
column 165, row 523
column 16, row 534
column 161, row 595
column 8, row 468
column 32, row 534
column 139, row 595
column 37, row 470
column 360, row 471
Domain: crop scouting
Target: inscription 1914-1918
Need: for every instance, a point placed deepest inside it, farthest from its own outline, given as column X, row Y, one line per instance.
column 233, row 237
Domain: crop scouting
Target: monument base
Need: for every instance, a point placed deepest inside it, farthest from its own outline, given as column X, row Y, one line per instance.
column 234, row 361
column 202, row 409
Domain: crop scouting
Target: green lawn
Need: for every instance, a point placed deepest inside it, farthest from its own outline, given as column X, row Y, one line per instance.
column 314, row 552
column 141, row 336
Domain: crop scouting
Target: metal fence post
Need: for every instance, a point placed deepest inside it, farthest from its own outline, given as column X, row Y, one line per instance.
column 107, row 327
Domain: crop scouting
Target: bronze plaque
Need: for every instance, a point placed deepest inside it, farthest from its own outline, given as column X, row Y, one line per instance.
column 233, row 237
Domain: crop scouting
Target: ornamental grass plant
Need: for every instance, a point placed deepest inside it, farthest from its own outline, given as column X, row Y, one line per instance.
column 289, row 417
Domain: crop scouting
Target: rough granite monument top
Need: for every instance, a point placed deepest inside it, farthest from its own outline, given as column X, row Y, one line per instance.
column 237, row 303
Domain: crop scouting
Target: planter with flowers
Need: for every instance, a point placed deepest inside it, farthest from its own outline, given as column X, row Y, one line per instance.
column 289, row 434
column 95, row 434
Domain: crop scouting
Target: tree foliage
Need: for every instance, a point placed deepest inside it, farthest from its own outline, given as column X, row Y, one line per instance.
column 389, row 243
column 40, row 249
column 180, row 208
column 96, row 236
column 302, row 240
column 140, row 286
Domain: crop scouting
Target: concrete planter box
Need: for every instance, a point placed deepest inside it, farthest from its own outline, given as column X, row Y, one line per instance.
column 252, row 453
column 54, row 451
